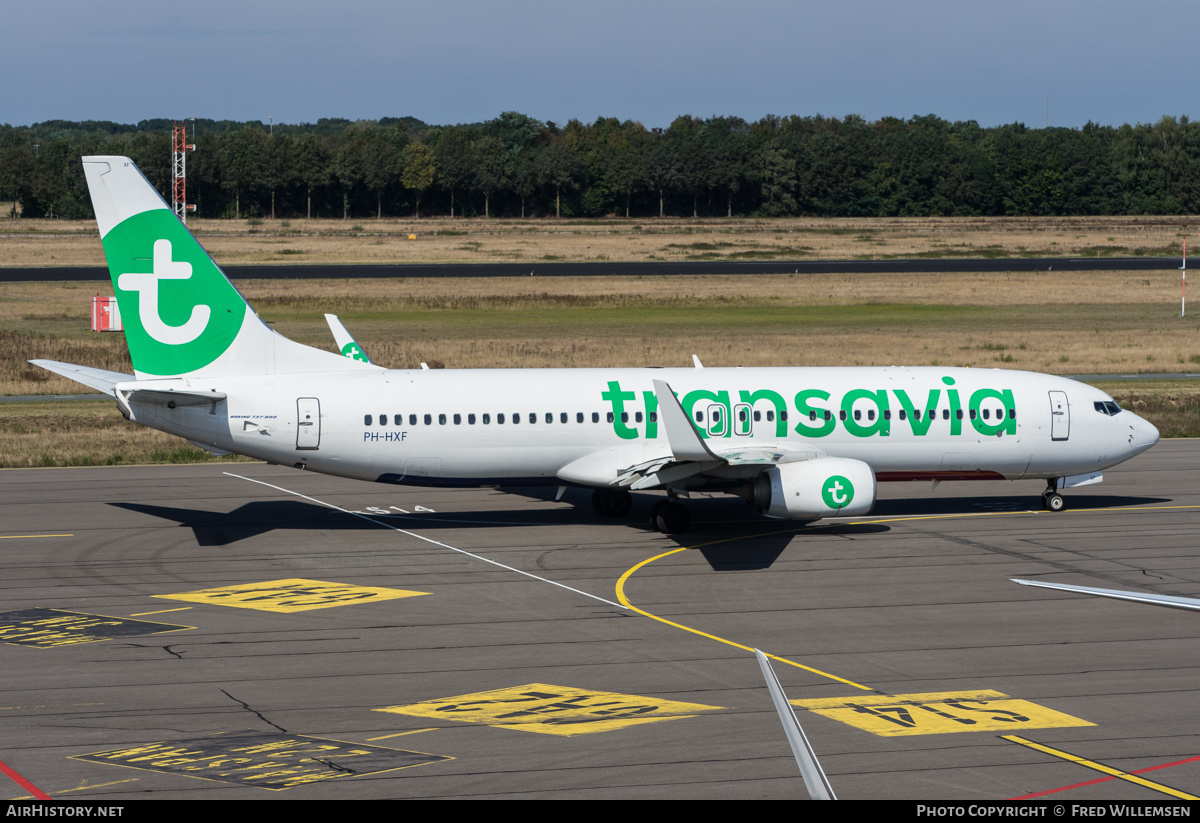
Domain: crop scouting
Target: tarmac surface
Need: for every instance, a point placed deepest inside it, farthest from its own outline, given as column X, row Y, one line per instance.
column 371, row 641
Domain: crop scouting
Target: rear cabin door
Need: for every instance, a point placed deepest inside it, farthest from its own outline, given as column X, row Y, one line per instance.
column 308, row 423
column 1060, row 416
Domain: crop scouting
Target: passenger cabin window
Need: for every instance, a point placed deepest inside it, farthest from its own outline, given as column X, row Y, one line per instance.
column 399, row 421
column 366, row 419
column 441, row 419
column 596, row 417
column 412, row 420
column 383, row 419
column 429, row 420
column 532, row 417
column 578, row 417
column 500, row 419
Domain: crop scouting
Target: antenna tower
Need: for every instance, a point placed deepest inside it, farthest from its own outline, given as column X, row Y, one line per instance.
column 179, row 203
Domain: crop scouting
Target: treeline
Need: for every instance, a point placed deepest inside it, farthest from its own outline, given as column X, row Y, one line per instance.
column 515, row 165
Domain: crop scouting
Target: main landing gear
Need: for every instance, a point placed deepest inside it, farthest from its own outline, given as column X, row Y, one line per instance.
column 1052, row 501
column 667, row 516
column 612, row 502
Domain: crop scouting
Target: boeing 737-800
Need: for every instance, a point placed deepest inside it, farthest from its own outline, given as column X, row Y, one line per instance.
column 797, row 443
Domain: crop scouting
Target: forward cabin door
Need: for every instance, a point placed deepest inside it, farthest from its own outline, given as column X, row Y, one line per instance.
column 1060, row 416
column 308, row 423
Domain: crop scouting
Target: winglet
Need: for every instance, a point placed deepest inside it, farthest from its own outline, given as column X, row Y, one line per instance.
column 686, row 443
column 347, row 345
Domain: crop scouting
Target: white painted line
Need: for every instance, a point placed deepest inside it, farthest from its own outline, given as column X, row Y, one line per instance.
column 379, row 522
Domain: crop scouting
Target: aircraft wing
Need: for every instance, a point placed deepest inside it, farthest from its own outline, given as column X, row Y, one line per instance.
column 1170, row 601
column 814, row 777
column 99, row 379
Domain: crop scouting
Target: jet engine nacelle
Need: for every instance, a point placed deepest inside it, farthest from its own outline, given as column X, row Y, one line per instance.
column 821, row 487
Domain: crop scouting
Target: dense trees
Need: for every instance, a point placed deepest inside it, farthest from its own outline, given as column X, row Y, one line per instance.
column 516, row 165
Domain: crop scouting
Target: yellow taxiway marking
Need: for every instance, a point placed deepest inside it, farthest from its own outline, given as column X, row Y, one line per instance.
column 402, row 734
column 1100, row 767
column 627, row 604
column 546, row 709
column 938, row 713
column 162, row 611
column 25, row 536
column 81, row 789
column 290, row 595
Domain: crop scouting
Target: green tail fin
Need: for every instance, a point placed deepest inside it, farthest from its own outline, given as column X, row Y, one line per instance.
column 182, row 316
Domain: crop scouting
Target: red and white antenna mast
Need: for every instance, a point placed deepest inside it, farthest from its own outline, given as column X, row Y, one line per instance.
column 179, row 203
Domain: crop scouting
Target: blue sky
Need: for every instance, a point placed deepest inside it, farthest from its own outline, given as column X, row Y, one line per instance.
column 458, row 61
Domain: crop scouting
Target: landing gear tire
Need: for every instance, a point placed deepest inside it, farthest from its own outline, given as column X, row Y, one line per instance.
column 672, row 518
column 655, row 508
column 1053, row 501
column 612, row 502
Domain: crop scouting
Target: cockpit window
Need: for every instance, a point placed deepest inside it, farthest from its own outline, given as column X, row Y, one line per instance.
column 1107, row 407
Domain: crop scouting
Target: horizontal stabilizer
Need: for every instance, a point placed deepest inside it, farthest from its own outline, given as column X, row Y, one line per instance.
column 98, row 379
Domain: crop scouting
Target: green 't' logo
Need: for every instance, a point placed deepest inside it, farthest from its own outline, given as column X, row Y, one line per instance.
column 180, row 312
column 837, row 492
column 354, row 352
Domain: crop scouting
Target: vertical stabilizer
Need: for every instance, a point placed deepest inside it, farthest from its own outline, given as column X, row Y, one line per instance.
column 182, row 315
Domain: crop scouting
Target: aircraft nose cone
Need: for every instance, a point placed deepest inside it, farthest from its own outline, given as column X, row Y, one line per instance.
column 1146, row 434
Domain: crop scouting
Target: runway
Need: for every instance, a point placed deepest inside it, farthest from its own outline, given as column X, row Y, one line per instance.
column 244, row 631
column 647, row 268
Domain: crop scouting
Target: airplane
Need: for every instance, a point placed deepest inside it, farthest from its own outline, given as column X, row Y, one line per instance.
column 796, row 443
column 1169, row 601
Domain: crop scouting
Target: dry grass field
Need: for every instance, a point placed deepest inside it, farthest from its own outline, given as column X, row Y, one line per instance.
column 36, row 242
column 1065, row 323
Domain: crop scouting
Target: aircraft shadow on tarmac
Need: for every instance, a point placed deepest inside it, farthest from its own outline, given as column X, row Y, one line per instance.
column 729, row 534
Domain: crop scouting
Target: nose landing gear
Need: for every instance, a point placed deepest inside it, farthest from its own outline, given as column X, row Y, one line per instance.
column 1052, row 501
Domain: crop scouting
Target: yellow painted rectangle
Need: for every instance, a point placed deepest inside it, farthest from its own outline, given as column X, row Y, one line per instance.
column 269, row 761
column 294, row 594
column 546, row 709
column 48, row 628
column 939, row 713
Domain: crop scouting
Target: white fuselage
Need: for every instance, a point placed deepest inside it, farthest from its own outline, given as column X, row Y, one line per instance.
column 522, row 427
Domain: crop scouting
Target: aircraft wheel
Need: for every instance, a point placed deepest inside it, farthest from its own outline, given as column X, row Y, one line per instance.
column 1053, row 501
column 612, row 502
column 672, row 518
column 655, row 508
column 600, row 501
